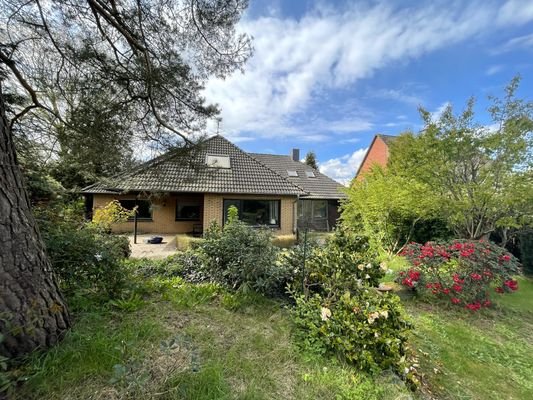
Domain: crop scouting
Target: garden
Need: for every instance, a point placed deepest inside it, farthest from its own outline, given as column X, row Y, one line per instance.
column 423, row 290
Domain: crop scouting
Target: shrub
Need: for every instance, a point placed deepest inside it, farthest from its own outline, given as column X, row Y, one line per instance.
column 339, row 312
column 345, row 262
column 187, row 265
column 83, row 257
column 461, row 271
column 241, row 257
column 111, row 213
column 365, row 328
column 185, row 242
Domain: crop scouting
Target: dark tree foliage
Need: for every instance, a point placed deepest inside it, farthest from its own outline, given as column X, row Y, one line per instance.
column 310, row 159
column 147, row 60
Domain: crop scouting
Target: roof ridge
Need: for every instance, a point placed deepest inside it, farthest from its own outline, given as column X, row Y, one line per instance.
column 262, row 164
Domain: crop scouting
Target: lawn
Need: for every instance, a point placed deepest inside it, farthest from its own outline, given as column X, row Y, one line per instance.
column 199, row 342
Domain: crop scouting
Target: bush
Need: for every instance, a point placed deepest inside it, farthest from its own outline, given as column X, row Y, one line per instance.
column 83, row 257
column 461, row 271
column 339, row 312
column 185, row 242
column 365, row 328
column 241, row 257
column 345, row 262
column 187, row 265
column 111, row 213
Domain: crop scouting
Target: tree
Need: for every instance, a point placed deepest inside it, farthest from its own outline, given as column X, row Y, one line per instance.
column 386, row 208
column 152, row 57
column 310, row 159
column 480, row 176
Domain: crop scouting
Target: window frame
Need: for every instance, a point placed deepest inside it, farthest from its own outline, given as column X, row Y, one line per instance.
column 188, row 202
column 240, row 207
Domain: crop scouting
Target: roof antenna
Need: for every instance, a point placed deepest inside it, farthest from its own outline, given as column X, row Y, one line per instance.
column 219, row 120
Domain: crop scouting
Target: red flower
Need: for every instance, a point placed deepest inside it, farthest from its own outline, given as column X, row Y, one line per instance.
column 506, row 257
column 486, row 303
column 456, row 279
column 511, row 284
column 475, row 276
column 456, row 246
column 466, row 253
column 414, row 275
column 407, row 282
column 455, row 300
column 499, row 290
column 473, row 306
column 446, row 291
column 457, row 288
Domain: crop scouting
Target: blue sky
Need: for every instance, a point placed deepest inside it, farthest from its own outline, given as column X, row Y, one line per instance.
column 328, row 75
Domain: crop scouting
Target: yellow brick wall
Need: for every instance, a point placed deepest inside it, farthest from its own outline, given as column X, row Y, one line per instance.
column 164, row 212
column 163, row 215
column 213, row 204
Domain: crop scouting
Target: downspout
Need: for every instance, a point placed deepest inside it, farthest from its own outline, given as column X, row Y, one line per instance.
column 295, row 216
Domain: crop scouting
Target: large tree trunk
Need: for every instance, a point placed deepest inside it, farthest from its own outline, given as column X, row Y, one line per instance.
column 33, row 313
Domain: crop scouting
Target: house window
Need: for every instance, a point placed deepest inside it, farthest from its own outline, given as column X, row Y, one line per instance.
column 292, row 173
column 188, row 210
column 218, row 161
column 256, row 212
column 312, row 209
column 144, row 208
column 310, row 174
column 320, row 209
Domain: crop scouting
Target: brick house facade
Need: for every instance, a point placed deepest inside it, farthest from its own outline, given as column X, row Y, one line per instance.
column 178, row 193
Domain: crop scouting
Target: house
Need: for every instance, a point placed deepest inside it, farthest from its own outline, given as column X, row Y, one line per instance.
column 185, row 191
column 377, row 154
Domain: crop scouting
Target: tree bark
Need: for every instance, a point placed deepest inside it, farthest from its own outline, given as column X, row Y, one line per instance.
column 33, row 313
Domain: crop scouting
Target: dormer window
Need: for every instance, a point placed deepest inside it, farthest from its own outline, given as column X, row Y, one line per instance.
column 215, row 161
column 310, row 174
column 292, row 173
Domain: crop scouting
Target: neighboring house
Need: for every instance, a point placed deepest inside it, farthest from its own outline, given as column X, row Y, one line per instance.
column 185, row 192
column 377, row 154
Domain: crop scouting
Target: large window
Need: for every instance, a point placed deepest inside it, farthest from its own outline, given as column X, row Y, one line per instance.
column 144, row 208
column 256, row 212
column 188, row 210
column 312, row 209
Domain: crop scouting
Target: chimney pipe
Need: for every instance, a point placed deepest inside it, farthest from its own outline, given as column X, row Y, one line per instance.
column 296, row 154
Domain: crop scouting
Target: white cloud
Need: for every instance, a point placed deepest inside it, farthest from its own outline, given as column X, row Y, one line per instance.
column 297, row 61
column 493, row 69
column 398, row 95
column 343, row 169
column 517, row 43
column 436, row 114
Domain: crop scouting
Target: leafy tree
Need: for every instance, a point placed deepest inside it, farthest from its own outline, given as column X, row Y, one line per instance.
column 386, row 208
column 310, row 159
column 480, row 177
column 150, row 57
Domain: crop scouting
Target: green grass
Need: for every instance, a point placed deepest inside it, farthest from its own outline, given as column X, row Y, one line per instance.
column 485, row 355
column 201, row 342
column 193, row 342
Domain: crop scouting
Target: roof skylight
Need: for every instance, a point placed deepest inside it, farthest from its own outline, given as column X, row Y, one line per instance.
column 218, row 161
column 310, row 174
column 292, row 172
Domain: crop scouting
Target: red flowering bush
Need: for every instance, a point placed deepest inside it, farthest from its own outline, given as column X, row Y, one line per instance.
column 461, row 272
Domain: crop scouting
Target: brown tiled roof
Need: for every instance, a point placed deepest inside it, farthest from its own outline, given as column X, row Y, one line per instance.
column 319, row 187
column 178, row 171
